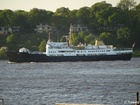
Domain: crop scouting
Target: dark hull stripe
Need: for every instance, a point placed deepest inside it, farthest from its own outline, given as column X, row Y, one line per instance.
column 25, row 57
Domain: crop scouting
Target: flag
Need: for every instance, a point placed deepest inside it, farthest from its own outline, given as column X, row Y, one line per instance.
column 133, row 45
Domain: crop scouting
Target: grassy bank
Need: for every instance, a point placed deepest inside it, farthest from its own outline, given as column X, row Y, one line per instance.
column 136, row 53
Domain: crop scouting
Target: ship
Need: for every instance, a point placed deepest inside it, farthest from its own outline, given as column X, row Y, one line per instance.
column 66, row 52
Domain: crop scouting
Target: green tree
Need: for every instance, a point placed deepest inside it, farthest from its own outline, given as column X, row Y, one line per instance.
column 75, row 41
column 20, row 19
column 123, row 36
column 126, row 5
column 3, row 52
column 72, row 16
column 2, row 23
column 88, row 39
column 28, row 44
column 118, row 18
column 83, row 15
column 107, row 38
column 99, row 14
column 62, row 11
column 61, row 22
column 7, row 17
column 62, row 39
column 135, row 29
column 81, row 36
column 11, row 38
column 38, row 16
column 42, row 46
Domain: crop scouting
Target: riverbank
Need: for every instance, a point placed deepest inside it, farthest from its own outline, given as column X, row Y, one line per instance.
column 136, row 53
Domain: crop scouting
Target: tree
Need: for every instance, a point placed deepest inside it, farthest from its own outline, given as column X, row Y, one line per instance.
column 72, row 16
column 62, row 39
column 107, row 38
column 61, row 22
column 38, row 16
column 75, row 41
column 81, row 36
column 126, row 5
column 3, row 52
column 63, row 11
column 11, row 38
column 99, row 14
column 7, row 17
column 42, row 46
column 2, row 23
column 118, row 18
column 28, row 44
column 123, row 36
column 88, row 39
column 20, row 19
column 135, row 30
column 83, row 15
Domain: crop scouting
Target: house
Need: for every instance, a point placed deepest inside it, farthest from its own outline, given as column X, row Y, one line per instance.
column 45, row 28
column 78, row 27
column 6, row 30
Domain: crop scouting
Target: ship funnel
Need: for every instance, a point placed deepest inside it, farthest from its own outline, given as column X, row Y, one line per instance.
column 99, row 43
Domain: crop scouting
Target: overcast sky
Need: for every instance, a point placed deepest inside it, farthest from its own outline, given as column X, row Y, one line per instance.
column 51, row 5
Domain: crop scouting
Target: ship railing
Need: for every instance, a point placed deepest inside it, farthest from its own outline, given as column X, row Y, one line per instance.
column 120, row 49
column 109, row 46
column 60, row 47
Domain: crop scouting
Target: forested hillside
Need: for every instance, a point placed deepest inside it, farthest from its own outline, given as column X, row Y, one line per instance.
column 118, row 25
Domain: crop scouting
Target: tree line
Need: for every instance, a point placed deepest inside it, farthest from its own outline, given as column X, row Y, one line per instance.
column 118, row 25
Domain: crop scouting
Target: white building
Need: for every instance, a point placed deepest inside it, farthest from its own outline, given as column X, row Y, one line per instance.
column 78, row 27
column 45, row 28
column 6, row 30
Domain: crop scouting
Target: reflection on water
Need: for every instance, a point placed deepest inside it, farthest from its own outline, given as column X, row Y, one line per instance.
column 103, row 82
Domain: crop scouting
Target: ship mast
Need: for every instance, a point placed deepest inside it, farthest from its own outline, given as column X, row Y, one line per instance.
column 70, row 36
column 49, row 38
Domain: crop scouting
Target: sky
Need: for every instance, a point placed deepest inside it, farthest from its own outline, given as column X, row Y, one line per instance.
column 51, row 5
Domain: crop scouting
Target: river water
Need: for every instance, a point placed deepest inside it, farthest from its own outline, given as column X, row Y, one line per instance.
column 101, row 82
